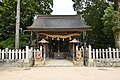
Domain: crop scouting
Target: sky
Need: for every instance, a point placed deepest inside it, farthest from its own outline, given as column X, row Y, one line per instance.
column 63, row 7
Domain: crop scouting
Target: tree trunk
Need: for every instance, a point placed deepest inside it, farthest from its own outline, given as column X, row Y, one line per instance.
column 17, row 25
column 117, row 4
column 117, row 39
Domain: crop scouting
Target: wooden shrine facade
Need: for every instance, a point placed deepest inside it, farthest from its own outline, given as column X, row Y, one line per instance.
column 59, row 30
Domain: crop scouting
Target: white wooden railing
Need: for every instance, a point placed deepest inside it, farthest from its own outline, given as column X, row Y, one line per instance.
column 15, row 53
column 109, row 55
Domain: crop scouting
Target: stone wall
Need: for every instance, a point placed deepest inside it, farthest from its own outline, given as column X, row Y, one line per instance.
column 17, row 63
column 107, row 63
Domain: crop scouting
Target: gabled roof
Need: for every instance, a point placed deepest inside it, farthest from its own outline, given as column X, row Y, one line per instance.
column 58, row 22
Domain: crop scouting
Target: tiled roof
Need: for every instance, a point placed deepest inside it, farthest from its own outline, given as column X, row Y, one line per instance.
column 58, row 22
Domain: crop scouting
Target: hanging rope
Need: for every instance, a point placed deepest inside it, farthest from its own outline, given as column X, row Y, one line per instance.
column 60, row 36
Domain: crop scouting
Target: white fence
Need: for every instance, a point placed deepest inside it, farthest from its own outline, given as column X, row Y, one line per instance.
column 21, row 57
column 15, row 54
column 102, row 56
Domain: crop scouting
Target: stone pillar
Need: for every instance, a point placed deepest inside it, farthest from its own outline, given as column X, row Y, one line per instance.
column 29, row 57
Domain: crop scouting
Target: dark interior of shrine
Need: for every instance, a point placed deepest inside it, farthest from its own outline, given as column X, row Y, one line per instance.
column 59, row 49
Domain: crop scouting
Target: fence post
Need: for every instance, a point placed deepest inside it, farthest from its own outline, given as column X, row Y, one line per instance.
column 26, row 60
column 97, row 54
column 0, row 54
column 89, row 52
column 114, row 54
column 6, row 53
column 16, row 53
column 106, row 51
column 10, row 54
column 89, row 56
column 20, row 53
column 103, row 53
column 41, row 52
column 117, row 53
column 3, row 54
column 110, row 53
column 93, row 54
column 31, row 57
column 27, row 52
column 23, row 54
column 13, row 54
column 100, row 54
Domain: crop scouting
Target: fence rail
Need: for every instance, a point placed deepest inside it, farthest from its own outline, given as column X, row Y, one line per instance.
column 104, row 55
column 15, row 53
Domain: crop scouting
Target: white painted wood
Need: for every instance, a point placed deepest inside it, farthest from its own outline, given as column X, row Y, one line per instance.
column 10, row 54
column 31, row 52
column 40, row 48
column 106, row 51
column 90, row 52
column 110, row 53
column 117, row 53
column 103, row 53
column 76, row 48
column 13, row 54
column 96, row 53
column 20, row 52
column 0, row 54
column 16, row 54
column 114, row 53
column 34, row 53
column 100, row 53
column 6, row 53
column 27, row 52
column 3, row 53
column 93, row 53
column 23, row 54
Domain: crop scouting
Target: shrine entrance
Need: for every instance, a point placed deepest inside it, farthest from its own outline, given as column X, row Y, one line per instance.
column 59, row 49
column 60, row 32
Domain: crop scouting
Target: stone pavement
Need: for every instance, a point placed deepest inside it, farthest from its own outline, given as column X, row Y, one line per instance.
column 59, row 63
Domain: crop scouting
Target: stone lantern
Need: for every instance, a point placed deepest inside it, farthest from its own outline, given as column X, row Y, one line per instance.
column 74, row 41
column 44, row 42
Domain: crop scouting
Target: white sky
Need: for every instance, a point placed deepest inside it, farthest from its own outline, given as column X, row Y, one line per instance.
column 63, row 7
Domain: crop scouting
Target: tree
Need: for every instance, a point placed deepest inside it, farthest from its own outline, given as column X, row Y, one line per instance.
column 29, row 8
column 108, row 23
column 92, row 12
column 17, row 25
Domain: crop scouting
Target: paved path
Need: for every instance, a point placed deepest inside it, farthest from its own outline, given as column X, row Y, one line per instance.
column 60, row 73
column 59, row 62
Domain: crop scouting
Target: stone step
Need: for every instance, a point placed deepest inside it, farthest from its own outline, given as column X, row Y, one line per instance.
column 59, row 63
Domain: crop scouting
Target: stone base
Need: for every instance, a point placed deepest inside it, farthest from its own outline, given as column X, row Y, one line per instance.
column 11, row 63
column 78, row 62
column 38, row 62
column 28, row 62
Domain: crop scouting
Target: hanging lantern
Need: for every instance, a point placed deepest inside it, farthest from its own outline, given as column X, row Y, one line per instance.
column 52, row 38
column 70, row 38
column 63, row 39
column 58, row 38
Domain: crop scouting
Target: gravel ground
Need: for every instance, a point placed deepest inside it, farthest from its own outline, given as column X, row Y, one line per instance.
column 60, row 73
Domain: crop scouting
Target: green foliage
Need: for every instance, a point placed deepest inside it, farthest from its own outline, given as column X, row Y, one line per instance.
column 10, row 42
column 108, row 23
column 116, row 21
column 92, row 13
column 29, row 8
column 107, row 17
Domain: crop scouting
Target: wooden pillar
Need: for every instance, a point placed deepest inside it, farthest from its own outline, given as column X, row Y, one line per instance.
column 73, row 52
column 44, row 54
column 84, row 45
column 31, row 38
column 37, row 39
column 58, row 46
